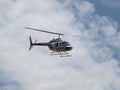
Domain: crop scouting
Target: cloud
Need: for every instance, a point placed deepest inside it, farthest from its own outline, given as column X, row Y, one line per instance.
column 7, row 82
column 94, row 64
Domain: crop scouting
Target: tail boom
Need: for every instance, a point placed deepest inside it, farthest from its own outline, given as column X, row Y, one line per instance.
column 36, row 44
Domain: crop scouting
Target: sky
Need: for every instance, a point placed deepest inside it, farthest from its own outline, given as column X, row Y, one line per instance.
column 95, row 61
column 109, row 8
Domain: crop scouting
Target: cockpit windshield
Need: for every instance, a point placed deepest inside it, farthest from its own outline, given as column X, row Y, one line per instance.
column 65, row 43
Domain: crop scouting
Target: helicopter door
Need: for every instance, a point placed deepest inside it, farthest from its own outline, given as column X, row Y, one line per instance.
column 56, row 44
column 60, row 44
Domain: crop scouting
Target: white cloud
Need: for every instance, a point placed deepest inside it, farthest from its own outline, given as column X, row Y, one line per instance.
column 36, row 69
column 85, row 8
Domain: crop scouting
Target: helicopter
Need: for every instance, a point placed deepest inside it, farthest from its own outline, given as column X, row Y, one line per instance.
column 57, row 46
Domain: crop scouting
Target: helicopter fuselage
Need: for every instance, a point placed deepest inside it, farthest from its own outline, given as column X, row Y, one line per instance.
column 56, row 45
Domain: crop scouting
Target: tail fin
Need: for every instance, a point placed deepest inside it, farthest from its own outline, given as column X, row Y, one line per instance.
column 31, row 44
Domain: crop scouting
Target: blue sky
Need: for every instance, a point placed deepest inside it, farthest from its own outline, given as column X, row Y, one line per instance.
column 108, row 8
column 95, row 61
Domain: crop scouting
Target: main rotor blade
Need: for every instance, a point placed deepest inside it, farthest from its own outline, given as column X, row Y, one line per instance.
column 72, row 35
column 44, row 31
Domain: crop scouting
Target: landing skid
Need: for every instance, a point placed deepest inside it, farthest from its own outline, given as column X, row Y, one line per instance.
column 61, row 54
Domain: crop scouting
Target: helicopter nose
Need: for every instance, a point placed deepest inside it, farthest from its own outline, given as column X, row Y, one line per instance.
column 68, row 48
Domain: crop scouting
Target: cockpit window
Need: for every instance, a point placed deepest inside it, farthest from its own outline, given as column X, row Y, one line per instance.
column 65, row 43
